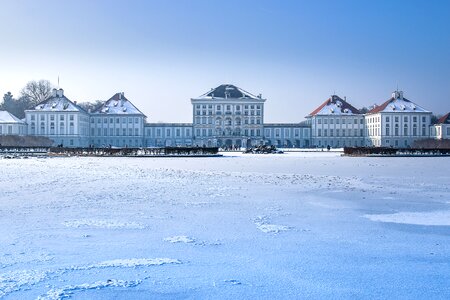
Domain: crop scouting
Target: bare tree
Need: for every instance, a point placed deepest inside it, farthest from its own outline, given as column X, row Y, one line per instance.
column 37, row 91
column 91, row 105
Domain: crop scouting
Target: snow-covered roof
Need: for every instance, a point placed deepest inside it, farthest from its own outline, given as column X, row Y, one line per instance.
column 7, row 117
column 444, row 119
column 335, row 105
column 118, row 105
column 397, row 104
column 226, row 91
column 57, row 102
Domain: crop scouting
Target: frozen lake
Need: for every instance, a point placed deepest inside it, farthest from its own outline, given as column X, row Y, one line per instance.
column 297, row 225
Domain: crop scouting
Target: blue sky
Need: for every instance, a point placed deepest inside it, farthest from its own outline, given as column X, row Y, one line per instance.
column 296, row 53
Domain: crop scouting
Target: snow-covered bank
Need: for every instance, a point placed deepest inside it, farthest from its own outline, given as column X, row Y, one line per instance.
column 289, row 226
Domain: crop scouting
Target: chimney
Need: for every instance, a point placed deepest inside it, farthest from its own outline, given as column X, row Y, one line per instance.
column 400, row 95
column 345, row 98
column 54, row 92
column 60, row 92
column 75, row 102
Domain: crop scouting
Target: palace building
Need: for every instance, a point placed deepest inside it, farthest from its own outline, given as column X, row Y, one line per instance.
column 398, row 122
column 336, row 123
column 229, row 117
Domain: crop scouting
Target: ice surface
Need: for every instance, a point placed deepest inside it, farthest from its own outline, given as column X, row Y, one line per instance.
column 297, row 225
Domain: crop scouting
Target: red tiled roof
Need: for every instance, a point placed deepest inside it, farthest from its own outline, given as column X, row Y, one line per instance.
column 444, row 119
column 333, row 99
column 314, row 112
column 381, row 107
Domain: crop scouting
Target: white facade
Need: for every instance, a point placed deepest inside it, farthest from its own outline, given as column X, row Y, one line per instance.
column 11, row 125
column 287, row 135
column 117, row 123
column 336, row 123
column 59, row 119
column 228, row 116
column 398, row 122
column 168, row 134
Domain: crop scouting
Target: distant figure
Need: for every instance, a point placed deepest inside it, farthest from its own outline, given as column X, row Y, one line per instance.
column 328, row 147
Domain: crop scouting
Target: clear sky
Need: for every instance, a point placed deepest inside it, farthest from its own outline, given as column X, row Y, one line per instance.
column 296, row 53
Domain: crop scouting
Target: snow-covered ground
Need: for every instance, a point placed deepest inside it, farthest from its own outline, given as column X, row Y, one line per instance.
column 289, row 226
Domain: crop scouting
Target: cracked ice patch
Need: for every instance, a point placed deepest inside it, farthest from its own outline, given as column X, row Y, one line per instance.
column 431, row 218
column 109, row 224
column 262, row 223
